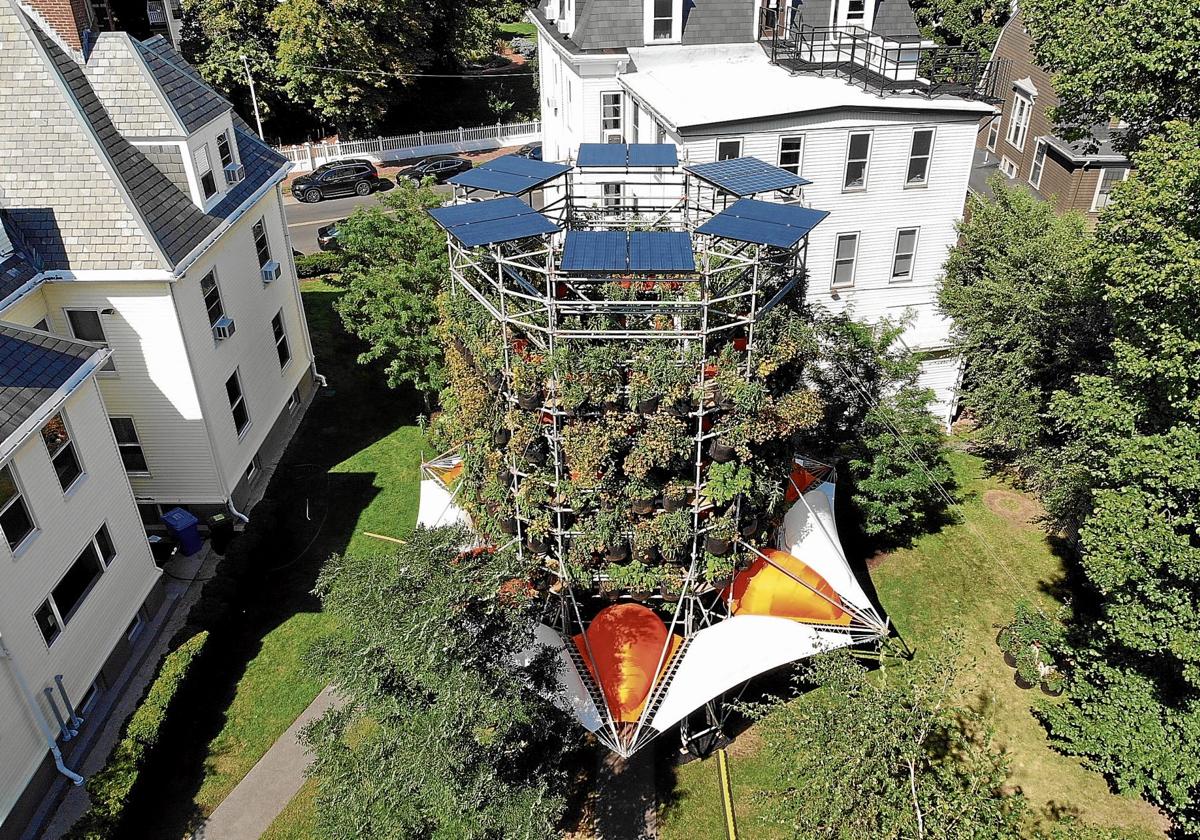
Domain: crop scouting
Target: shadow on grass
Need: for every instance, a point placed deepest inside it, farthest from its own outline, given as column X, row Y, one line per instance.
column 307, row 514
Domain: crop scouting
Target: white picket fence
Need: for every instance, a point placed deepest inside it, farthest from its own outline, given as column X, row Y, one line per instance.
column 311, row 155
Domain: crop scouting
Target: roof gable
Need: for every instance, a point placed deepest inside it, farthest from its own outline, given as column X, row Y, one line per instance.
column 33, row 367
column 124, row 84
column 195, row 102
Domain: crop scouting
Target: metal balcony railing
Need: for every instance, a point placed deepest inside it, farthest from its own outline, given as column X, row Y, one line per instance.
column 156, row 13
column 882, row 64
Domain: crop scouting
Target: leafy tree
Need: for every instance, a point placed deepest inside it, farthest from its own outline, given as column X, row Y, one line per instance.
column 217, row 33
column 886, row 755
column 444, row 734
column 1130, row 60
column 973, row 24
column 394, row 266
column 1134, row 708
column 1029, row 316
column 876, row 416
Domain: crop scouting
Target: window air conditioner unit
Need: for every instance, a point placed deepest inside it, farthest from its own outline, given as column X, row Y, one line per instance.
column 235, row 173
column 223, row 328
column 270, row 271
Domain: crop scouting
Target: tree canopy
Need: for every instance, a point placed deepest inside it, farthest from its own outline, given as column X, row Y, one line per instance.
column 394, row 265
column 1134, row 61
column 444, row 734
column 973, row 24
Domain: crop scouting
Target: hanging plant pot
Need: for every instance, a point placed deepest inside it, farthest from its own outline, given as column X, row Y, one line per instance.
column 722, row 453
column 721, row 583
column 647, row 555
column 508, row 526
column 1020, row 681
column 504, row 476
column 648, row 406
column 535, row 454
column 494, row 381
column 741, row 343
column 609, row 592
column 680, row 409
column 530, row 401
column 643, row 507
column 500, row 438
column 639, row 594
column 538, row 546
column 617, row 553
column 670, row 595
column 674, row 503
column 1010, row 660
column 717, row 546
column 1053, row 686
column 612, row 405
column 749, row 526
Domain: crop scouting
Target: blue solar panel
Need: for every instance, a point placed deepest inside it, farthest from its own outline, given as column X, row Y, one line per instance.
column 497, row 220
column 510, row 174
column 746, row 176
column 661, row 251
column 615, row 251
column 621, row 155
column 763, row 223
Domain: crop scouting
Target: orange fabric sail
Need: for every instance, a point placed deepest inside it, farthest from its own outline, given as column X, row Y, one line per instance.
column 626, row 642
column 798, row 482
column 771, row 588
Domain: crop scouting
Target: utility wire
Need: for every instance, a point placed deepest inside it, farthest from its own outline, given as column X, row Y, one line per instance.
column 367, row 72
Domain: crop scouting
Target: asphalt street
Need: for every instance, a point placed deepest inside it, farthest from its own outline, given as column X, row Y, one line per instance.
column 304, row 219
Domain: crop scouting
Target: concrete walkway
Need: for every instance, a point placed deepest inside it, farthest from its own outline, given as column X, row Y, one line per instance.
column 267, row 789
column 626, row 799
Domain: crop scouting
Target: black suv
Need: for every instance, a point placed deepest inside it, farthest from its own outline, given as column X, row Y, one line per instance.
column 439, row 168
column 343, row 177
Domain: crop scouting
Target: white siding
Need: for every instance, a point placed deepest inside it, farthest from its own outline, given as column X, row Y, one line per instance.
column 251, row 350
column 66, row 523
column 28, row 310
column 153, row 384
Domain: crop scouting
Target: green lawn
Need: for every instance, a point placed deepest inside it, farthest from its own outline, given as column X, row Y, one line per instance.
column 295, row 822
column 517, row 30
column 967, row 577
column 353, row 466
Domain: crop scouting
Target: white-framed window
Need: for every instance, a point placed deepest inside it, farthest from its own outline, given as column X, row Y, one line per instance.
column 993, row 133
column 212, row 297
column 86, row 326
column 261, row 244
column 920, row 155
column 611, row 117
column 845, row 256
column 856, row 11
column 610, row 196
column 1109, row 178
column 208, row 182
column 729, row 148
column 635, row 123
column 237, row 403
column 905, row 253
column 1018, row 126
column 1039, row 164
column 293, row 401
column 130, row 446
column 282, row 350
column 225, row 149
column 858, row 156
column 791, row 153
column 1008, row 167
column 663, row 21
column 75, row 585
column 253, row 468
column 61, row 448
column 15, row 518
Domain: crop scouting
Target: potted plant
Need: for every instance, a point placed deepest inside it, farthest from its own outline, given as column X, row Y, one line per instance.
column 671, row 581
column 1028, row 641
column 718, row 571
column 677, row 495
column 660, row 445
column 643, row 497
column 529, row 380
column 500, row 437
column 726, row 481
column 718, row 540
column 672, row 532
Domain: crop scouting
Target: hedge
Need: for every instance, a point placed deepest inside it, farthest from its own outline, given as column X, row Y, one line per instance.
column 110, row 788
column 318, row 264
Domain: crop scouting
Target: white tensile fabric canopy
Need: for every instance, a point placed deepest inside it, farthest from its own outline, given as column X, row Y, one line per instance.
column 574, row 696
column 437, row 506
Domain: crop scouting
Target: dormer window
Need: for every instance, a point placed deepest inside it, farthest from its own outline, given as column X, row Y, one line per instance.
column 664, row 19
column 225, row 149
column 208, row 182
column 856, row 12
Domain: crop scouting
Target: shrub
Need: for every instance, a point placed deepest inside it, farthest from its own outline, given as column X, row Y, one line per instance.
column 318, row 264
column 110, row 788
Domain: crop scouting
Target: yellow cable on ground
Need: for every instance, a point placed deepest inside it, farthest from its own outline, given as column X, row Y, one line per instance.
column 726, row 794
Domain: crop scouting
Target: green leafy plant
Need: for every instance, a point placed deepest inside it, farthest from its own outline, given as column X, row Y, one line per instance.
column 728, row 481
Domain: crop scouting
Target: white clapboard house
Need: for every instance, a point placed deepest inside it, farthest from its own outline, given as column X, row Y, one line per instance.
column 844, row 93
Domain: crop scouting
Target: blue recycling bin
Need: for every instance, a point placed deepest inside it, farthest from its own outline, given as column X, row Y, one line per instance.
column 185, row 528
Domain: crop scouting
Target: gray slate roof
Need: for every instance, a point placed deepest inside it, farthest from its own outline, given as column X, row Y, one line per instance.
column 33, row 366
column 892, row 17
column 18, row 262
column 194, row 101
column 716, row 22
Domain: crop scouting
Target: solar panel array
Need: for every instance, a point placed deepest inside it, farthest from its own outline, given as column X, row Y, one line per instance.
column 616, row 251
column 763, row 223
column 495, row 220
column 510, row 174
column 745, row 176
column 627, row 155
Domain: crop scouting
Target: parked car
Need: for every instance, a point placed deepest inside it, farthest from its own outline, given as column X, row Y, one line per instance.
column 439, row 168
column 327, row 236
column 533, row 151
column 343, row 177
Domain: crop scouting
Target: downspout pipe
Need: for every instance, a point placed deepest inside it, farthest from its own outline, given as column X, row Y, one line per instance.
column 245, row 519
column 75, row 778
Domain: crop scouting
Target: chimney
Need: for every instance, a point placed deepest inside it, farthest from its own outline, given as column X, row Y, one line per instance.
column 69, row 19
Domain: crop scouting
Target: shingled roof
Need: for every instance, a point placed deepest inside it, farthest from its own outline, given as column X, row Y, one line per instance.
column 195, row 102
column 33, row 366
column 18, row 262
